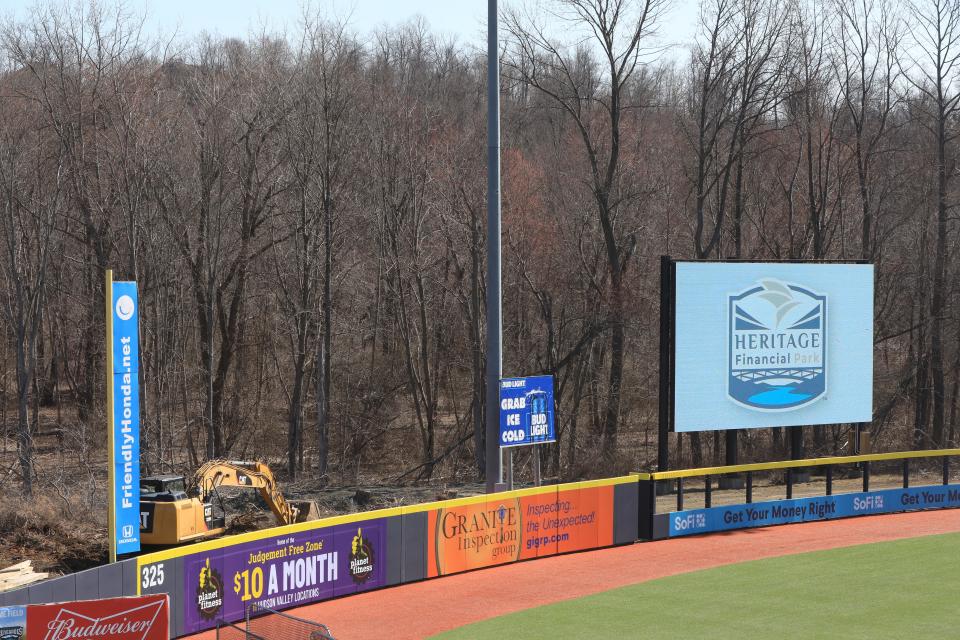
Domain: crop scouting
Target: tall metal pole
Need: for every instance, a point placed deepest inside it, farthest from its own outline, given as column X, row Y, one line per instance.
column 666, row 375
column 111, row 449
column 494, row 467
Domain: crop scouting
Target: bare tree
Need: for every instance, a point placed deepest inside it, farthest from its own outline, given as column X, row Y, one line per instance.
column 320, row 140
column 738, row 73
column 304, row 215
column 73, row 52
column 31, row 185
column 216, row 200
column 935, row 30
column 867, row 37
column 622, row 31
column 417, row 265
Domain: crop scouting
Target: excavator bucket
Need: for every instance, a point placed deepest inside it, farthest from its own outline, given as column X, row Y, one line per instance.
column 306, row 510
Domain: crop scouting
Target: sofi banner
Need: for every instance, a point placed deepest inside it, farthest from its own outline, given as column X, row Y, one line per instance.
column 500, row 530
column 283, row 571
column 140, row 618
column 126, row 417
column 760, row 514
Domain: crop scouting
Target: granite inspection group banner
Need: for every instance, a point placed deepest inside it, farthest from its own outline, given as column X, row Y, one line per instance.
column 506, row 529
column 283, row 571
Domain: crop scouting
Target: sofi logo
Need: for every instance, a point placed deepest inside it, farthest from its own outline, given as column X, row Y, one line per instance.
column 690, row 522
column 869, row 503
column 777, row 346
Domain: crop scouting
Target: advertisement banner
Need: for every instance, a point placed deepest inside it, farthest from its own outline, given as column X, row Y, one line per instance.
column 126, row 417
column 13, row 623
column 501, row 530
column 283, row 571
column 761, row 514
column 138, row 618
column 526, row 411
column 772, row 344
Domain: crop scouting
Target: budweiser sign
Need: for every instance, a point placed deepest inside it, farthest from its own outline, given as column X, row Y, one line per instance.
column 143, row 618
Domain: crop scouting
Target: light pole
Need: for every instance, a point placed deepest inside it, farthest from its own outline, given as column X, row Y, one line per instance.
column 494, row 462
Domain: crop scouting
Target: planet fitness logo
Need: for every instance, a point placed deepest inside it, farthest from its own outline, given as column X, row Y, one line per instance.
column 361, row 558
column 777, row 346
column 210, row 592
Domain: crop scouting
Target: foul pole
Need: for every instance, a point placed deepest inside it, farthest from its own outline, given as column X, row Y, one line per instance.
column 111, row 466
column 494, row 466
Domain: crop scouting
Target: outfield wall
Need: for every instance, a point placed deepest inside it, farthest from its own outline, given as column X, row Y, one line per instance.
column 108, row 581
column 285, row 567
column 812, row 509
column 749, row 514
column 298, row 564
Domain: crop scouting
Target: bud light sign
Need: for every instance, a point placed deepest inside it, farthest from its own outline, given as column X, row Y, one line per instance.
column 526, row 411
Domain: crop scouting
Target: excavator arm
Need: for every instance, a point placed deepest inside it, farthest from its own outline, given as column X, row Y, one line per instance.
column 250, row 475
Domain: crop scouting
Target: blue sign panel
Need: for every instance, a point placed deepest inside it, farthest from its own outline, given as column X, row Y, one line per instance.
column 761, row 514
column 772, row 345
column 526, row 411
column 126, row 417
column 13, row 623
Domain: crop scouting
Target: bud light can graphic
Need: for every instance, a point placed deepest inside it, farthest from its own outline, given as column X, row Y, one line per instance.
column 539, row 416
column 777, row 346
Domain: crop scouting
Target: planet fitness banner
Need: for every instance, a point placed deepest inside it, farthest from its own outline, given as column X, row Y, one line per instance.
column 283, row 571
column 126, row 417
column 772, row 345
column 760, row 514
column 497, row 531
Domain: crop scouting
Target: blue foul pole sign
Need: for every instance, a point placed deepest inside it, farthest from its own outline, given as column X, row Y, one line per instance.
column 526, row 411
column 125, row 449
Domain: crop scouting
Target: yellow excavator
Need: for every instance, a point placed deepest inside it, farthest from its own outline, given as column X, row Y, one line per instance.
column 172, row 513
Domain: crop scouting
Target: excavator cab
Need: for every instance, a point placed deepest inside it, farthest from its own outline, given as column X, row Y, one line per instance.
column 171, row 513
column 173, row 486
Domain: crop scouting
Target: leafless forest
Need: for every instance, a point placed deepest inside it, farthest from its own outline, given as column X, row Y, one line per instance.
column 304, row 213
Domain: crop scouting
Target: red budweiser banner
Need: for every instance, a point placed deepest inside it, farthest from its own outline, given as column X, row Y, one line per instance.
column 143, row 618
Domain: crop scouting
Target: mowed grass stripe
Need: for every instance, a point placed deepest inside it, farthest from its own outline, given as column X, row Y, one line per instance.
column 900, row 589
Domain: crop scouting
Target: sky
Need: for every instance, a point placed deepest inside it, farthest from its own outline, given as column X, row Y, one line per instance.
column 463, row 19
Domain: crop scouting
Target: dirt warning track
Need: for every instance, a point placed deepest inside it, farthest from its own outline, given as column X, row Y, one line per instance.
column 425, row 608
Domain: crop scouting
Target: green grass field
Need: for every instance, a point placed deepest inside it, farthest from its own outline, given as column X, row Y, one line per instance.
column 902, row 589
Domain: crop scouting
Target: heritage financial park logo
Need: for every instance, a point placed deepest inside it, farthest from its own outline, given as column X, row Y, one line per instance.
column 777, row 346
